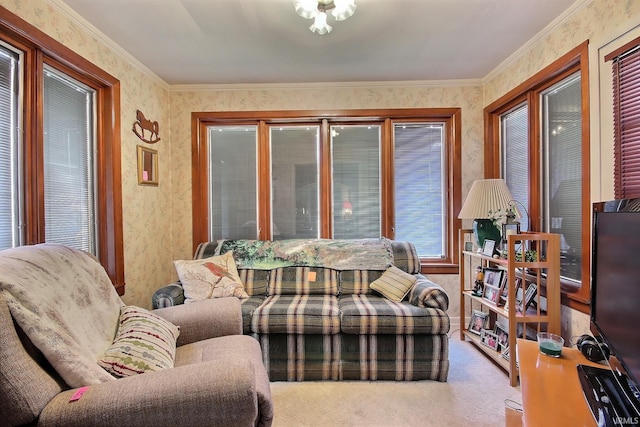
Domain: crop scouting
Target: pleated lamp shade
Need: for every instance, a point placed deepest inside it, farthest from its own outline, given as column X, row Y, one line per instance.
column 486, row 196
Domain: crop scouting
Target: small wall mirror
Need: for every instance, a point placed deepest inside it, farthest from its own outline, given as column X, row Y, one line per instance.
column 147, row 166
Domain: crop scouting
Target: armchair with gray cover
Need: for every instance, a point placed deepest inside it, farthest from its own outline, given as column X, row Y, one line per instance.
column 58, row 310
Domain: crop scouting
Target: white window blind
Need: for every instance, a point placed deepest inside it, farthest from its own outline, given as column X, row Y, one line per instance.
column 355, row 176
column 9, row 149
column 69, row 146
column 514, row 139
column 562, row 148
column 420, row 180
column 232, row 182
column 294, row 181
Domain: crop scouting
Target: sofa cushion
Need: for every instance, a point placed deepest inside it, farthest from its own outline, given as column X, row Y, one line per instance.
column 145, row 342
column 369, row 314
column 357, row 281
column 212, row 277
column 248, row 307
column 297, row 314
column 394, row 284
column 405, row 256
column 255, row 281
column 303, row 281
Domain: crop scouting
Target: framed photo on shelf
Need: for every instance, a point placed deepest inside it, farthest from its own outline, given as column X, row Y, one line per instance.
column 478, row 322
column 468, row 246
column 491, row 293
column 488, row 247
column 489, row 339
column 493, row 277
column 528, row 297
column 502, row 333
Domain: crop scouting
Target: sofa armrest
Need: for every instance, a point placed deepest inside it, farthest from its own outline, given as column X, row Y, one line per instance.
column 204, row 394
column 168, row 296
column 426, row 293
column 205, row 319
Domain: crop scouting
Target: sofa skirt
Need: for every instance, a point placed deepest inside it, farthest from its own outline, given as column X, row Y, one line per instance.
column 296, row 357
column 395, row 357
column 309, row 357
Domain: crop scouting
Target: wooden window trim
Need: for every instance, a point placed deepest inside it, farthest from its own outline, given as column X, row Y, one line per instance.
column 575, row 60
column 451, row 116
column 40, row 48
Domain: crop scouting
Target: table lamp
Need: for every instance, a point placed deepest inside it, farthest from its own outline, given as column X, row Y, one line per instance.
column 486, row 197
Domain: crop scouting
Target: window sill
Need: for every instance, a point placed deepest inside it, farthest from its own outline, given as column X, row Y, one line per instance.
column 439, row 269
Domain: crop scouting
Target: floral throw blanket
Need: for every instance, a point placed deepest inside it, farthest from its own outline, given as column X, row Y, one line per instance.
column 359, row 254
column 64, row 301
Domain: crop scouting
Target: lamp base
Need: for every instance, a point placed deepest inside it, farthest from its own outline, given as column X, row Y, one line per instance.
column 485, row 229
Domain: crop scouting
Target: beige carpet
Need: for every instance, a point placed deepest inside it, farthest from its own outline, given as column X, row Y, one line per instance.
column 473, row 396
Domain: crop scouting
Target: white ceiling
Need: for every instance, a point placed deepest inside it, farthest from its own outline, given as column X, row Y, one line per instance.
column 266, row 42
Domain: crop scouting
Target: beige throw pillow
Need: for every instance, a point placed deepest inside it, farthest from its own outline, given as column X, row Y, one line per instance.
column 394, row 284
column 213, row 277
column 144, row 342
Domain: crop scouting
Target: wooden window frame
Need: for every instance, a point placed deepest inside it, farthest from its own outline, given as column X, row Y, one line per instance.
column 386, row 117
column 39, row 48
column 576, row 60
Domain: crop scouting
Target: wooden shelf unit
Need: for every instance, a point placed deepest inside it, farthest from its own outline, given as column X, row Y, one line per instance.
column 543, row 271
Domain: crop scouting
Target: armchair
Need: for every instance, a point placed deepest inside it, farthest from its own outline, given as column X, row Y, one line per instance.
column 218, row 378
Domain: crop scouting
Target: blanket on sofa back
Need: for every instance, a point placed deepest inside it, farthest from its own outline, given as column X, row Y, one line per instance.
column 360, row 254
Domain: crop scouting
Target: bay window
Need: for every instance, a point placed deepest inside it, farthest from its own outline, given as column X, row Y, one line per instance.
column 346, row 175
column 538, row 141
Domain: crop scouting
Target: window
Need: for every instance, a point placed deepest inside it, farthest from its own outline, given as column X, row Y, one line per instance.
column 514, row 137
column 420, row 203
column 59, row 148
column 295, row 182
column 69, row 178
column 561, row 106
column 10, row 151
column 366, row 174
column 626, row 119
column 232, row 171
column 355, row 173
column 537, row 142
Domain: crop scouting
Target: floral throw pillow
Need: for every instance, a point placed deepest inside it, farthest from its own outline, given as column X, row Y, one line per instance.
column 144, row 342
column 213, row 277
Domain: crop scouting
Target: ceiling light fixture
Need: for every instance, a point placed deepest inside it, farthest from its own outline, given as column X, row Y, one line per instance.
column 317, row 9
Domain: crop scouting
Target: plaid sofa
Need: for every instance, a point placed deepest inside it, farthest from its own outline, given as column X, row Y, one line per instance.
column 334, row 327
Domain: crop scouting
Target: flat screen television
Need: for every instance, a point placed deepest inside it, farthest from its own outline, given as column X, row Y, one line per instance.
column 615, row 296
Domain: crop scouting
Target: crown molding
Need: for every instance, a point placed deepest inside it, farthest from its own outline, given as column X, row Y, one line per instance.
column 409, row 84
column 65, row 10
column 552, row 26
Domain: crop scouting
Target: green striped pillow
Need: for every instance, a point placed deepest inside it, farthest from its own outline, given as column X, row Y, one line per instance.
column 144, row 342
column 394, row 284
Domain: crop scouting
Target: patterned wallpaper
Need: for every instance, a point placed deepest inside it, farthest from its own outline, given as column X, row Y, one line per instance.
column 598, row 21
column 146, row 210
column 157, row 220
column 468, row 98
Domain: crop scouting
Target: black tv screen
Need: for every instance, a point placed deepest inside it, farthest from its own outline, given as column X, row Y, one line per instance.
column 615, row 287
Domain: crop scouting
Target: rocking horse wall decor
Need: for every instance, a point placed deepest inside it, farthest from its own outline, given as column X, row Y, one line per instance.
column 142, row 124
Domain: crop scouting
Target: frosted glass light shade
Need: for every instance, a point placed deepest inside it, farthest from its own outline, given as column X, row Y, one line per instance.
column 320, row 25
column 306, row 8
column 343, row 9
